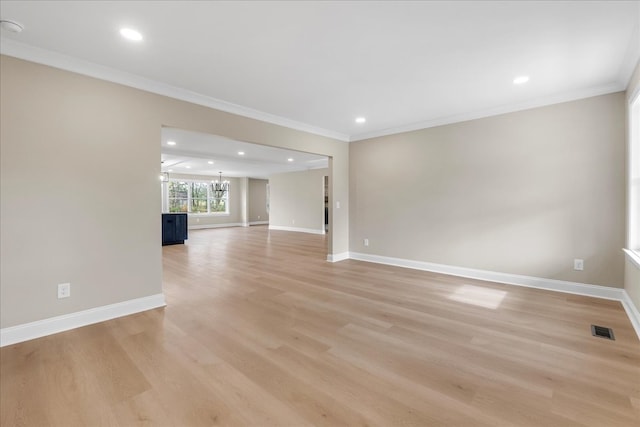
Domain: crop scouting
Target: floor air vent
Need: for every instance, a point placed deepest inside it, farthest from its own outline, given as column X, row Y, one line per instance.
column 602, row 332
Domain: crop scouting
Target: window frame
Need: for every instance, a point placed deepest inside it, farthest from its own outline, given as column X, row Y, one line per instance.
column 633, row 179
column 166, row 197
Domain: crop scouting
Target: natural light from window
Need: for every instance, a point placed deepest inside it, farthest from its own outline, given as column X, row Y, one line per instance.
column 194, row 197
column 477, row 295
column 633, row 238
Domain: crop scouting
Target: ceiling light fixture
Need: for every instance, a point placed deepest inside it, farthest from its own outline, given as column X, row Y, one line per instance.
column 240, row 153
column 188, row 167
column 219, row 188
column 520, row 80
column 289, row 159
column 171, row 143
column 131, row 34
column 360, row 120
column 210, row 162
column 11, row 26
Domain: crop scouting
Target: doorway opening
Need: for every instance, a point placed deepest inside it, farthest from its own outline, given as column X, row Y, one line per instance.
column 267, row 185
column 326, row 203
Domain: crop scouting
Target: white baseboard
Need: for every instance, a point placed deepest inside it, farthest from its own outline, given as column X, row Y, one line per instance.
column 297, row 229
column 492, row 276
column 227, row 224
column 596, row 291
column 337, row 257
column 259, row 223
column 53, row 325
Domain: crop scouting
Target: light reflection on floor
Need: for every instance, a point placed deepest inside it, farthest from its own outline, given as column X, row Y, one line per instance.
column 476, row 295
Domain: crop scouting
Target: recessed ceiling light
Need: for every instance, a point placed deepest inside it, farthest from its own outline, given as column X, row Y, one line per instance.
column 210, row 162
column 520, row 80
column 289, row 159
column 240, row 153
column 11, row 26
column 360, row 119
column 171, row 143
column 188, row 167
column 130, row 34
column 170, row 170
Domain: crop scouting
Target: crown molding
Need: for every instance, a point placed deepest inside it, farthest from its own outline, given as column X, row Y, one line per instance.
column 57, row 60
column 504, row 109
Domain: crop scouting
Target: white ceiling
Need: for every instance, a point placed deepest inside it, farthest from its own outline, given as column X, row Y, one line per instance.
column 317, row 65
column 193, row 151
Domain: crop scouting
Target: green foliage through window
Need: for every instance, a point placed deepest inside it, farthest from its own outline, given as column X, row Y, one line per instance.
column 195, row 197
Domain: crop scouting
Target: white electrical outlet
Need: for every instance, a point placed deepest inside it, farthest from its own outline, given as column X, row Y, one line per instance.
column 258, row 216
column 578, row 264
column 337, row 205
column 365, row 242
column 293, row 221
column 64, row 290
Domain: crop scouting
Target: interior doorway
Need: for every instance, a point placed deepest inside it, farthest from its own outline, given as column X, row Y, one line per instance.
column 193, row 162
column 326, row 204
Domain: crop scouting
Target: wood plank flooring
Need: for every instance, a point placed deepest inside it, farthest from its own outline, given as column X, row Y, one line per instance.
column 261, row 331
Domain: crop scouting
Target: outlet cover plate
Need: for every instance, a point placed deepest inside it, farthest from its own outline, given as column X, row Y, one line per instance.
column 64, row 290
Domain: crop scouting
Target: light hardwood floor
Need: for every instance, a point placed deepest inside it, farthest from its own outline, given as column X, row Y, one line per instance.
column 260, row 330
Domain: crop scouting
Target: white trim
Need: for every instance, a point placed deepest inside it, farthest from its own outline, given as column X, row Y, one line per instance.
column 259, row 223
column 632, row 311
column 204, row 215
column 632, row 151
column 337, row 257
column 627, row 302
column 633, row 257
column 223, row 225
column 604, row 292
column 53, row 325
column 631, row 97
column 296, row 229
column 596, row 291
column 87, row 68
column 457, row 118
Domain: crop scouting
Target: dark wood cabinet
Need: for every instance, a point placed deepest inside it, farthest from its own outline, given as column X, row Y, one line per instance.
column 174, row 228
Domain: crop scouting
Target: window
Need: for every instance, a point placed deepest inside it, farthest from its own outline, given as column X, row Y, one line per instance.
column 178, row 196
column 633, row 238
column 199, row 197
column 195, row 197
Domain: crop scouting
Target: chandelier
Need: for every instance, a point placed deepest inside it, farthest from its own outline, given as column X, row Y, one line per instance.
column 219, row 188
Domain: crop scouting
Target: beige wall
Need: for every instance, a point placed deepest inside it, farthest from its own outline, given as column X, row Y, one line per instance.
column 632, row 272
column 258, row 200
column 522, row 193
column 79, row 186
column 297, row 200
